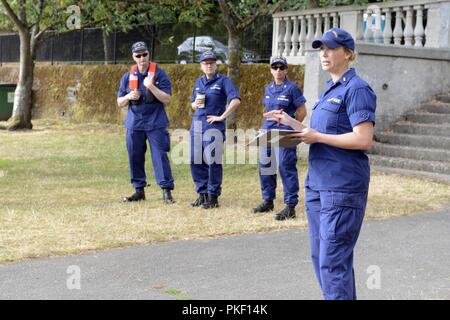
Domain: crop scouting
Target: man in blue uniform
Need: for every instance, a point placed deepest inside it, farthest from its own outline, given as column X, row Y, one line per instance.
column 280, row 95
column 146, row 90
column 214, row 98
column 337, row 183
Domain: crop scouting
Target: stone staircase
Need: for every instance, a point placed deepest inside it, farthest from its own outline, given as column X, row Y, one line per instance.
column 418, row 145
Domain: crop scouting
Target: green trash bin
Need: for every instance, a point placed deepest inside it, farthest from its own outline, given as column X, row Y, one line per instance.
column 6, row 100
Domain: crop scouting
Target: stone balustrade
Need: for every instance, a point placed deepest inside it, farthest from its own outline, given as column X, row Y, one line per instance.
column 411, row 23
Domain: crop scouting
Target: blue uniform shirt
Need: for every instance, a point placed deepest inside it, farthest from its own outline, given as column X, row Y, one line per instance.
column 286, row 96
column 149, row 113
column 345, row 104
column 219, row 91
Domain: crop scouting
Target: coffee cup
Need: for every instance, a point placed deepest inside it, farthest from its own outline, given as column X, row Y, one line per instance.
column 201, row 99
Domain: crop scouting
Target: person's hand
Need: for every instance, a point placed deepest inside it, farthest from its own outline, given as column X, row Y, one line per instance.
column 149, row 81
column 134, row 95
column 280, row 117
column 307, row 135
column 196, row 104
column 212, row 119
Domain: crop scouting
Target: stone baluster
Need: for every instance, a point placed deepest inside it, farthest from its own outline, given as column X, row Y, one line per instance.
column 302, row 37
column 294, row 38
column 418, row 30
column 409, row 31
column 398, row 30
column 359, row 27
column 387, row 33
column 287, row 37
column 368, row 34
column 326, row 24
column 310, row 34
column 276, row 32
column 281, row 38
column 318, row 33
column 335, row 16
column 378, row 35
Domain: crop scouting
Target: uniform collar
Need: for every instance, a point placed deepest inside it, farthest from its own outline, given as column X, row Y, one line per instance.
column 344, row 80
column 213, row 78
column 275, row 86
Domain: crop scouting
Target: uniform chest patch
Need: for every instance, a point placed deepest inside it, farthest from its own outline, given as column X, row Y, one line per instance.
column 283, row 98
column 334, row 101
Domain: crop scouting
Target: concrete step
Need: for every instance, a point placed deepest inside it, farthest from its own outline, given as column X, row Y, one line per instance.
column 436, row 107
column 410, row 164
column 415, row 140
column 422, row 128
column 439, row 177
column 416, row 153
column 444, row 97
column 427, row 117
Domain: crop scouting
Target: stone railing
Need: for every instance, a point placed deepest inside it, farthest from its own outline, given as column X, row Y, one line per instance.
column 412, row 23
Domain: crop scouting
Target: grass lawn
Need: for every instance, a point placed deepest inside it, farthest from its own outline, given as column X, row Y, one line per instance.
column 61, row 187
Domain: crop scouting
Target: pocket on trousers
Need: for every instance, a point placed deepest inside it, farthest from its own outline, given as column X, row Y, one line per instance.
column 342, row 220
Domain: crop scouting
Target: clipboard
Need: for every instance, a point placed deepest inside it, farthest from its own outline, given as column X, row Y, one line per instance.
column 274, row 138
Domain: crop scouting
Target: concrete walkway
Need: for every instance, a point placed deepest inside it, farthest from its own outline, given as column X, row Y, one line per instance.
column 400, row 258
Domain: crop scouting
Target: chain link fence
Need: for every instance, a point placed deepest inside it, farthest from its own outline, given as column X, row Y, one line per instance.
column 169, row 43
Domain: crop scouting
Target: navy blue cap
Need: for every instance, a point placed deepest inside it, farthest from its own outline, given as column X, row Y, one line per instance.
column 278, row 59
column 208, row 55
column 139, row 47
column 335, row 37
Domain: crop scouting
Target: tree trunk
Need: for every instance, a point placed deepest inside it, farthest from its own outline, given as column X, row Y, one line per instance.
column 234, row 62
column 21, row 117
column 106, row 46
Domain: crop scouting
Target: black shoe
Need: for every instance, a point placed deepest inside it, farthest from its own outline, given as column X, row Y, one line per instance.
column 137, row 196
column 202, row 198
column 265, row 206
column 286, row 213
column 211, row 202
column 167, row 196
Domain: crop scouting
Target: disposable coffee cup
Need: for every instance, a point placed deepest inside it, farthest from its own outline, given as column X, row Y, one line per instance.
column 201, row 97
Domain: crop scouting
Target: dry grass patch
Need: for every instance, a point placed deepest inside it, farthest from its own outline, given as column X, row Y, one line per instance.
column 61, row 186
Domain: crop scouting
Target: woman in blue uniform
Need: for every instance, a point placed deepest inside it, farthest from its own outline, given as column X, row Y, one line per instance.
column 281, row 94
column 211, row 95
column 338, row 176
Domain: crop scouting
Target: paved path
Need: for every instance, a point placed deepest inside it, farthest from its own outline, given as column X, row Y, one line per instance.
column 411, row 253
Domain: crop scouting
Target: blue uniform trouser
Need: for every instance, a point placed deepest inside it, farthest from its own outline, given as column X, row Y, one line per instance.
column 285, row 160
column 206, row 162
column 159, row 141
column 334, row 223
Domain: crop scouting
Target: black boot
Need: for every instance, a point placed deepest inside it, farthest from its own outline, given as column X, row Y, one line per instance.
column 265, row 206
column 286, row 213
column 167, row 196
column 202, row 198
column 211, row 202
column 137, row 196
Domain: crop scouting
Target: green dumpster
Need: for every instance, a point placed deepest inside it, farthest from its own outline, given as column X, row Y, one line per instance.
column 6, row 100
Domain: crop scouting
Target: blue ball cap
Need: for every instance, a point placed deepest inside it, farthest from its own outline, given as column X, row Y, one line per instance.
column 278, row 59
column 208, row 55
column 335, row 37
column 139, row 47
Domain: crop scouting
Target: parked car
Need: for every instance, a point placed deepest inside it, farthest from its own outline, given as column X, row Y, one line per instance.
column 205, row 43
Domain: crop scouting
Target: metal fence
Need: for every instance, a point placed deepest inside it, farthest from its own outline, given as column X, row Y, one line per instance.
column 94, row 46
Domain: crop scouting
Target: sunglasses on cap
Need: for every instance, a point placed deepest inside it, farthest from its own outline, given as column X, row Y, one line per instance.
column 141, row 55
column 281, row 67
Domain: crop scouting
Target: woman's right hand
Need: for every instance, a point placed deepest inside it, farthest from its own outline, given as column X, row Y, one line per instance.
column 196, row 104
column 280, row 117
